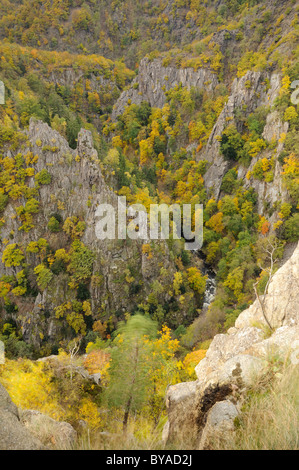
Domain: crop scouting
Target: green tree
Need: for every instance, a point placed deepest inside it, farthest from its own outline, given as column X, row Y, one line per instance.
column 129, row 370
column 81, row 261
column 231, row 144
column 44, row 276
column 54, row 225
column 291, row 229
column 3, row 201
column 12, row 256
column 43, row 177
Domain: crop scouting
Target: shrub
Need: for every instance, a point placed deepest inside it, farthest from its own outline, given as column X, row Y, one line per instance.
column 291, row 228
column 54, row 225
column 12, row 256
column 44, row 276
column 231, row 144
column 74, row 227
column 81, row 261
column 229, row 181
column 58, row 266
column 3, row 201
column 43, row 177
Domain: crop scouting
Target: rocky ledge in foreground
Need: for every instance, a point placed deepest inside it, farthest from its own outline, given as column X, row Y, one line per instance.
column 13, row 435
column 19, row 428
column 234, row 360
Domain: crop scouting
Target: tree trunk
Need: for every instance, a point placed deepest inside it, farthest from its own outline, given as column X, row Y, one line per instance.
column 126, row 415
column 129, row 402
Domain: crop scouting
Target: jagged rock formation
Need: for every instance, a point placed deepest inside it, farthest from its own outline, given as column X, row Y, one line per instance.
column 154, row 79
column 269, row 192
column 69, row 77
column 77, row 188
column 235, row 359
column 281, row 303
column 247, row 93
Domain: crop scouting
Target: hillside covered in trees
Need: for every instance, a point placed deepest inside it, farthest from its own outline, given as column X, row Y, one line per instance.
column 179, row 102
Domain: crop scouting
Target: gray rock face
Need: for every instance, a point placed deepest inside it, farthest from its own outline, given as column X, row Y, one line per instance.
column 281, row 302
column 69, row 77
column 5, row 402
column 234, row 361
column 154, row 79
column 247, row 93
column 13, row 435
column 59, row 435
column 97, row 378
column 224, row 347
column 284, row 342
column 274, row 127
column 240, row 370
column 274, row 190
column 77, row 188
column 222, row 411
column 220, row 420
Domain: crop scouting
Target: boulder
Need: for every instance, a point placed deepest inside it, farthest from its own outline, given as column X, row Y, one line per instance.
column 283, row 343
column 181, row 405
column 241, row 370
column 6, row 403
column 220, row 420
column 13, row 435
column 224, row 347
column 55, row 434
column 222, row 411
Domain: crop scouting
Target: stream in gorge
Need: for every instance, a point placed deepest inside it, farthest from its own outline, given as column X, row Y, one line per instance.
column 210, row 291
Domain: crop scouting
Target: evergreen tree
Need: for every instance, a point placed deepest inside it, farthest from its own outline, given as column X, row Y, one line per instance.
column 129, row 370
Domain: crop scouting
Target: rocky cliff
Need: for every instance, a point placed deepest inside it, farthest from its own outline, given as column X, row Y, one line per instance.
column 234, row 360
column 154, row 79
column 76, row 189
column 247, row 93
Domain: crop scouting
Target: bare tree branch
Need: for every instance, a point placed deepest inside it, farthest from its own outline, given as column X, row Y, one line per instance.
column 270, row 249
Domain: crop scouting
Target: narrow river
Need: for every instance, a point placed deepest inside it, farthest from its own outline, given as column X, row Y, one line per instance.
column 210, row 291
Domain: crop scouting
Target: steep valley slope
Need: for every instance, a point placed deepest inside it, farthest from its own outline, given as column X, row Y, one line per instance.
column 180, row 102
